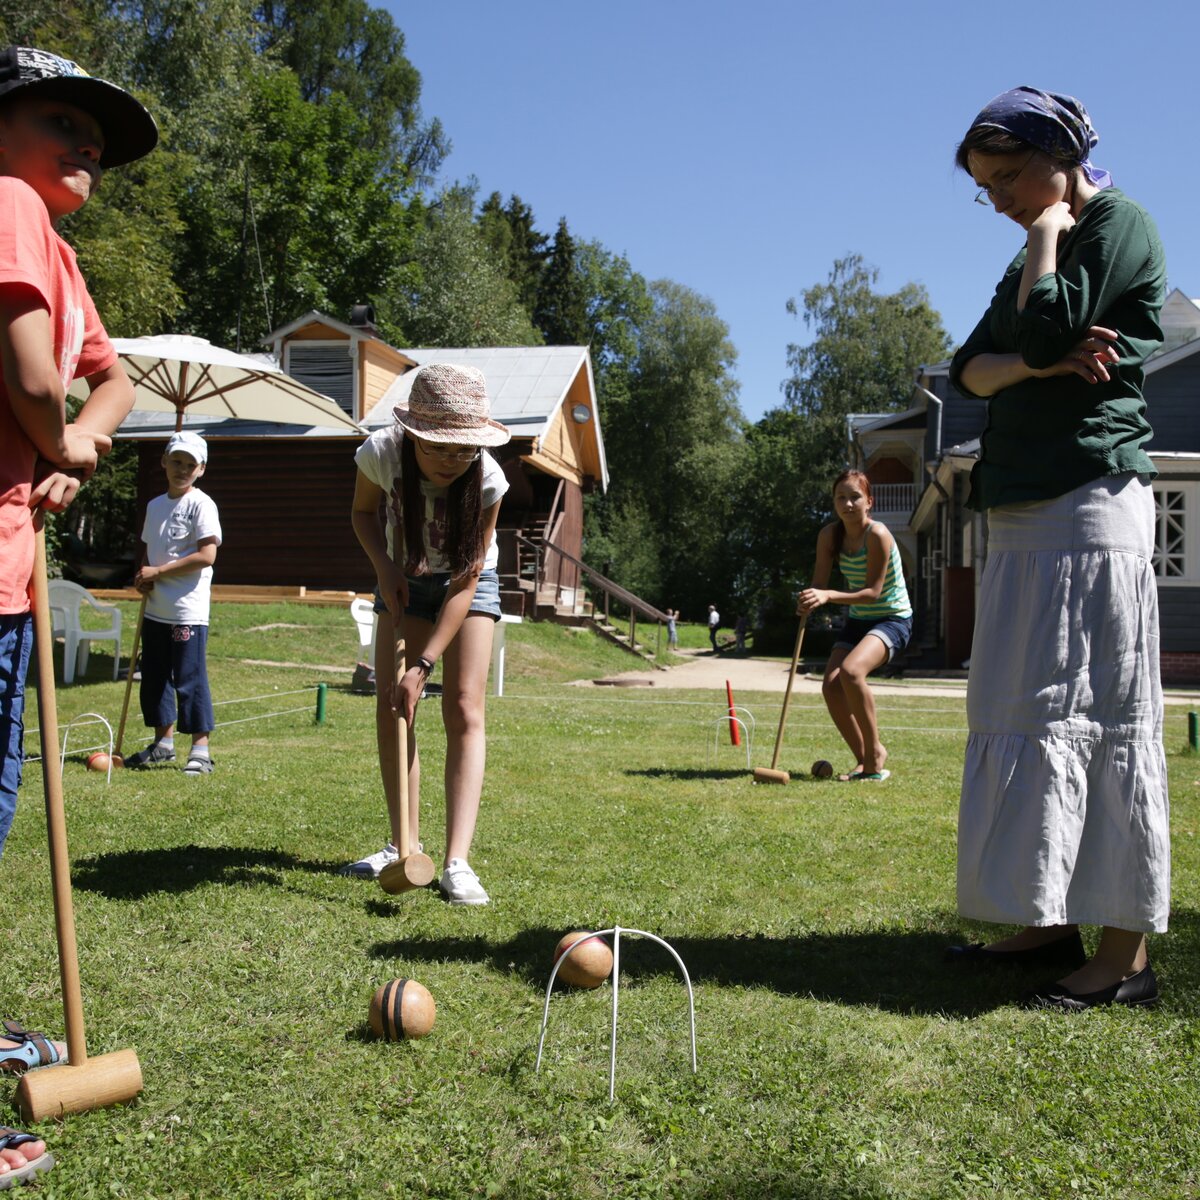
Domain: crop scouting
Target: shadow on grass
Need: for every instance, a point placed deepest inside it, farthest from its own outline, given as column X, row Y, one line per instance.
column 133, row 874
column 897, row 971
column 691, row 773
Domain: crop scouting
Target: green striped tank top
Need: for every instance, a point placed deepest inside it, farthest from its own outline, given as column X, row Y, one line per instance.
column 893, row 600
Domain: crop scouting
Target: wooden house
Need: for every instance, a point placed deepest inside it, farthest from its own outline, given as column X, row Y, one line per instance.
column 931, row 447
column 284, row 492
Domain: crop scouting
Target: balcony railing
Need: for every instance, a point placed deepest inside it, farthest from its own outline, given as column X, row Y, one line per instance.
column 894, row 497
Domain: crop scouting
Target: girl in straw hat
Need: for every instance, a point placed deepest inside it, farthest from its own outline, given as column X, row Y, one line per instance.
column 438, row 586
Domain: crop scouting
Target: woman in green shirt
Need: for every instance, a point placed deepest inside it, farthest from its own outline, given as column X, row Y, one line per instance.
column 1063, row 816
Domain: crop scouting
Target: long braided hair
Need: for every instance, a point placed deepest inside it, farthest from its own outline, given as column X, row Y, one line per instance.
column 464, row 517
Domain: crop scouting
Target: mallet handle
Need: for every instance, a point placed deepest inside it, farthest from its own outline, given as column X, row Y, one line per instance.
column 56, row 822
column 137, row 640
column 787, row 695
column 401, row 724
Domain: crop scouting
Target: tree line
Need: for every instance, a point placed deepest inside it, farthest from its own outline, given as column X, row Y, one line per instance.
column 297, row 171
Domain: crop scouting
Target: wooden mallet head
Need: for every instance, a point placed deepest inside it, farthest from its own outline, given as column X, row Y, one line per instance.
column 766, row 775
column 53, row 1092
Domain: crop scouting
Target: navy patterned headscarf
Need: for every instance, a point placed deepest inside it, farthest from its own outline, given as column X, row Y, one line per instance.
column 1056, row 124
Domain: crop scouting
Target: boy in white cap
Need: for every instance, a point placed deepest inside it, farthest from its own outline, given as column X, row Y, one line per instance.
column 58, row 129
column 181, row 534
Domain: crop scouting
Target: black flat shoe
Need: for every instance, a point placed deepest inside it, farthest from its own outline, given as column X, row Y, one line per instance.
column 1062, row 952
column 1138, row 991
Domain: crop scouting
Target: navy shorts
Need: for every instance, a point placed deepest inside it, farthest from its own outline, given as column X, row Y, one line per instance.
column 175, row 677
column 427, row 594
column 893, row 632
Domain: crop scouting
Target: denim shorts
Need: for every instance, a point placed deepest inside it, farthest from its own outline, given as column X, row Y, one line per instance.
column 893, row 632
column 427, row 594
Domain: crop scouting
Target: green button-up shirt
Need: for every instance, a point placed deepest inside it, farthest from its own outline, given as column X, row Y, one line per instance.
column 1046, row 437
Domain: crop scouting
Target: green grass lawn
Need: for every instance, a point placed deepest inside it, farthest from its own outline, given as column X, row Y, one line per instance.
column 838, row 1058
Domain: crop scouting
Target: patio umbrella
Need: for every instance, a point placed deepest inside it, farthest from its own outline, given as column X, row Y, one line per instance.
column 173, row 372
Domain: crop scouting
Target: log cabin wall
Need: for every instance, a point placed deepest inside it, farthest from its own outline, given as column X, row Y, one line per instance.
column 285, row 510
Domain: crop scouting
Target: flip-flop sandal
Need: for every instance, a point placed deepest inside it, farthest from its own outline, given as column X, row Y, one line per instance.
column 873, row 777
column 850, row 776
column 10, row 1139
column 32, row 1050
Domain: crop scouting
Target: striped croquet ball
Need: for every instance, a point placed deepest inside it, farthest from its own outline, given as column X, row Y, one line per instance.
column 588, row 966
column 402, row 1008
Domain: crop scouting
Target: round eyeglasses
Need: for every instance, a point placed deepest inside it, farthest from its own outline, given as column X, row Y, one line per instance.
column 1003, row 186
column 458, row 454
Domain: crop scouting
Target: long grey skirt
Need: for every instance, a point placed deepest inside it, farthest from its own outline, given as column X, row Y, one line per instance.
column 1064, row 812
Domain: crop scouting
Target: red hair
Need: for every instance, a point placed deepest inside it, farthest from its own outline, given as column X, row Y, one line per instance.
column 859, row 479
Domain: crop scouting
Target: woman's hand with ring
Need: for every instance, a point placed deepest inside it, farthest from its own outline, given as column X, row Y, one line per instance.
column 1089, row 359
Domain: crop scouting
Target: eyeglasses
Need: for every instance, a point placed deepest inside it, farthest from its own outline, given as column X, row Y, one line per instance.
column 458, row 454
column 987, row 195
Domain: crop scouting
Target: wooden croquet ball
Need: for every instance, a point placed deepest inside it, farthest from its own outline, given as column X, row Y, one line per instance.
column 98, row 761
column 402, row 1008
column 822, row 769
column 587, row 967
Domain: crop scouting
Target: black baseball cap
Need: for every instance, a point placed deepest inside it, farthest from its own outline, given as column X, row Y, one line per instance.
column 129, row 130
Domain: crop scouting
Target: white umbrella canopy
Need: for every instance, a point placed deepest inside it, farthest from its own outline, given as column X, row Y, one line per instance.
column 174, row 372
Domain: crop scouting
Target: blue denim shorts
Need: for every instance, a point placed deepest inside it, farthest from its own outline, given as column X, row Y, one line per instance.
column 893, row 632
column 427, row 594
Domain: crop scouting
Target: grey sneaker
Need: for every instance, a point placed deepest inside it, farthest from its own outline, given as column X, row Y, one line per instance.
column 369, row 867
column 152, row 756
column 460, row 885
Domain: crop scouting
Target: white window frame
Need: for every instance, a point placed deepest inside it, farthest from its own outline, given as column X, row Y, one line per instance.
column 1190, row 489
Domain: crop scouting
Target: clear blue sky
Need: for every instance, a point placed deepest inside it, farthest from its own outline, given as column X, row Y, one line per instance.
column 739, row 148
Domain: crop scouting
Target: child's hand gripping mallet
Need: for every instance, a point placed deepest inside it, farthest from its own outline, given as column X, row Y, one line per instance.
column 411, row 870
column 770, row 774
column 119, row 756
column 83, row 1083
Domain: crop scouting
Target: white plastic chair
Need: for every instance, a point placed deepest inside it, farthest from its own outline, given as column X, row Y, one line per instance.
column 363, row 612
column 65, row 601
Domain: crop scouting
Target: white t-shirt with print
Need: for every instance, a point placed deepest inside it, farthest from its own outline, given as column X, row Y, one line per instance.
column 378, row 458
column 173, row 530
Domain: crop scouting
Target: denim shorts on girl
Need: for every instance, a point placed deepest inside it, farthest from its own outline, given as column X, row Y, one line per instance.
column 893, row 632
column 427, row 594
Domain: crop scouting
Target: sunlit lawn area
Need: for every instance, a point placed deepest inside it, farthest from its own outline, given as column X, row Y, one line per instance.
column 838, row 1057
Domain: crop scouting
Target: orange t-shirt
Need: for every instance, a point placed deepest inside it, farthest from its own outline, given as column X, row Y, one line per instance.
column 33, row 255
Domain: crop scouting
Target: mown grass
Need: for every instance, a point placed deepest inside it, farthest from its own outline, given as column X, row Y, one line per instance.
column 838, row 1058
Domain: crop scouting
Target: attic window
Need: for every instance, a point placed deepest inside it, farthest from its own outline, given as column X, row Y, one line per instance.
column 326, row 368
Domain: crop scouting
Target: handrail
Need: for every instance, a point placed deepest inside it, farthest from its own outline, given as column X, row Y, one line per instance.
column 618, row 592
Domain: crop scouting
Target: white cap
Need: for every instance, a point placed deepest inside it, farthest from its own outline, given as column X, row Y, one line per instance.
column 189, row 443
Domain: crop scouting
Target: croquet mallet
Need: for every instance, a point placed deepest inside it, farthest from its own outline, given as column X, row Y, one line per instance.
column 770, row 774
column 82, row 1083
column 119, row 756
column 413, row 869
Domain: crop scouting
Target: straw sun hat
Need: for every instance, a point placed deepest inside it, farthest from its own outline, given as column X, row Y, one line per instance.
column 449, row 404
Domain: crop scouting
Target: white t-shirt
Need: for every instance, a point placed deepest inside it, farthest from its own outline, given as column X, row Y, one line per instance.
column 173, row 530
column 378, row 458
column 714, row 619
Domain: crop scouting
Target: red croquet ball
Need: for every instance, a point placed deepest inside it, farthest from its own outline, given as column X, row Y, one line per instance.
column 98, row 761
column 402, row 1008
column 587, row 967
column 822, row 769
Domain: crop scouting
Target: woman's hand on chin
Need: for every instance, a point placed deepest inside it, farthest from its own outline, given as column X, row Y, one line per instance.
column 1055, row 220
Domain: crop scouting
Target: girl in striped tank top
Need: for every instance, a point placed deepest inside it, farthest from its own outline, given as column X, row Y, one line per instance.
column 880, row 621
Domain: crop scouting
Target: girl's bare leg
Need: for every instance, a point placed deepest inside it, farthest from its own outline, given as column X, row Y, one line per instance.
column 839, row 710
column 466, row 669
column 870, row 653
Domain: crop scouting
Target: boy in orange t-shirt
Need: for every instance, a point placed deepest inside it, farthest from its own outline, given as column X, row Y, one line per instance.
column 58, row 128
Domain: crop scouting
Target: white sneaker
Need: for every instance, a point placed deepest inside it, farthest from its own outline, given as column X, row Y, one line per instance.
column 460, row 885
column 369, row 867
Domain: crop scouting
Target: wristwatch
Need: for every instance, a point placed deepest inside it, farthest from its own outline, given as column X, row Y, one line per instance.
column 425, row 664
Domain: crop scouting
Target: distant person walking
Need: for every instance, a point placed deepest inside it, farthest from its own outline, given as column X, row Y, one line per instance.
column 714, row 623
column 672, row 632
column 739, row 630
